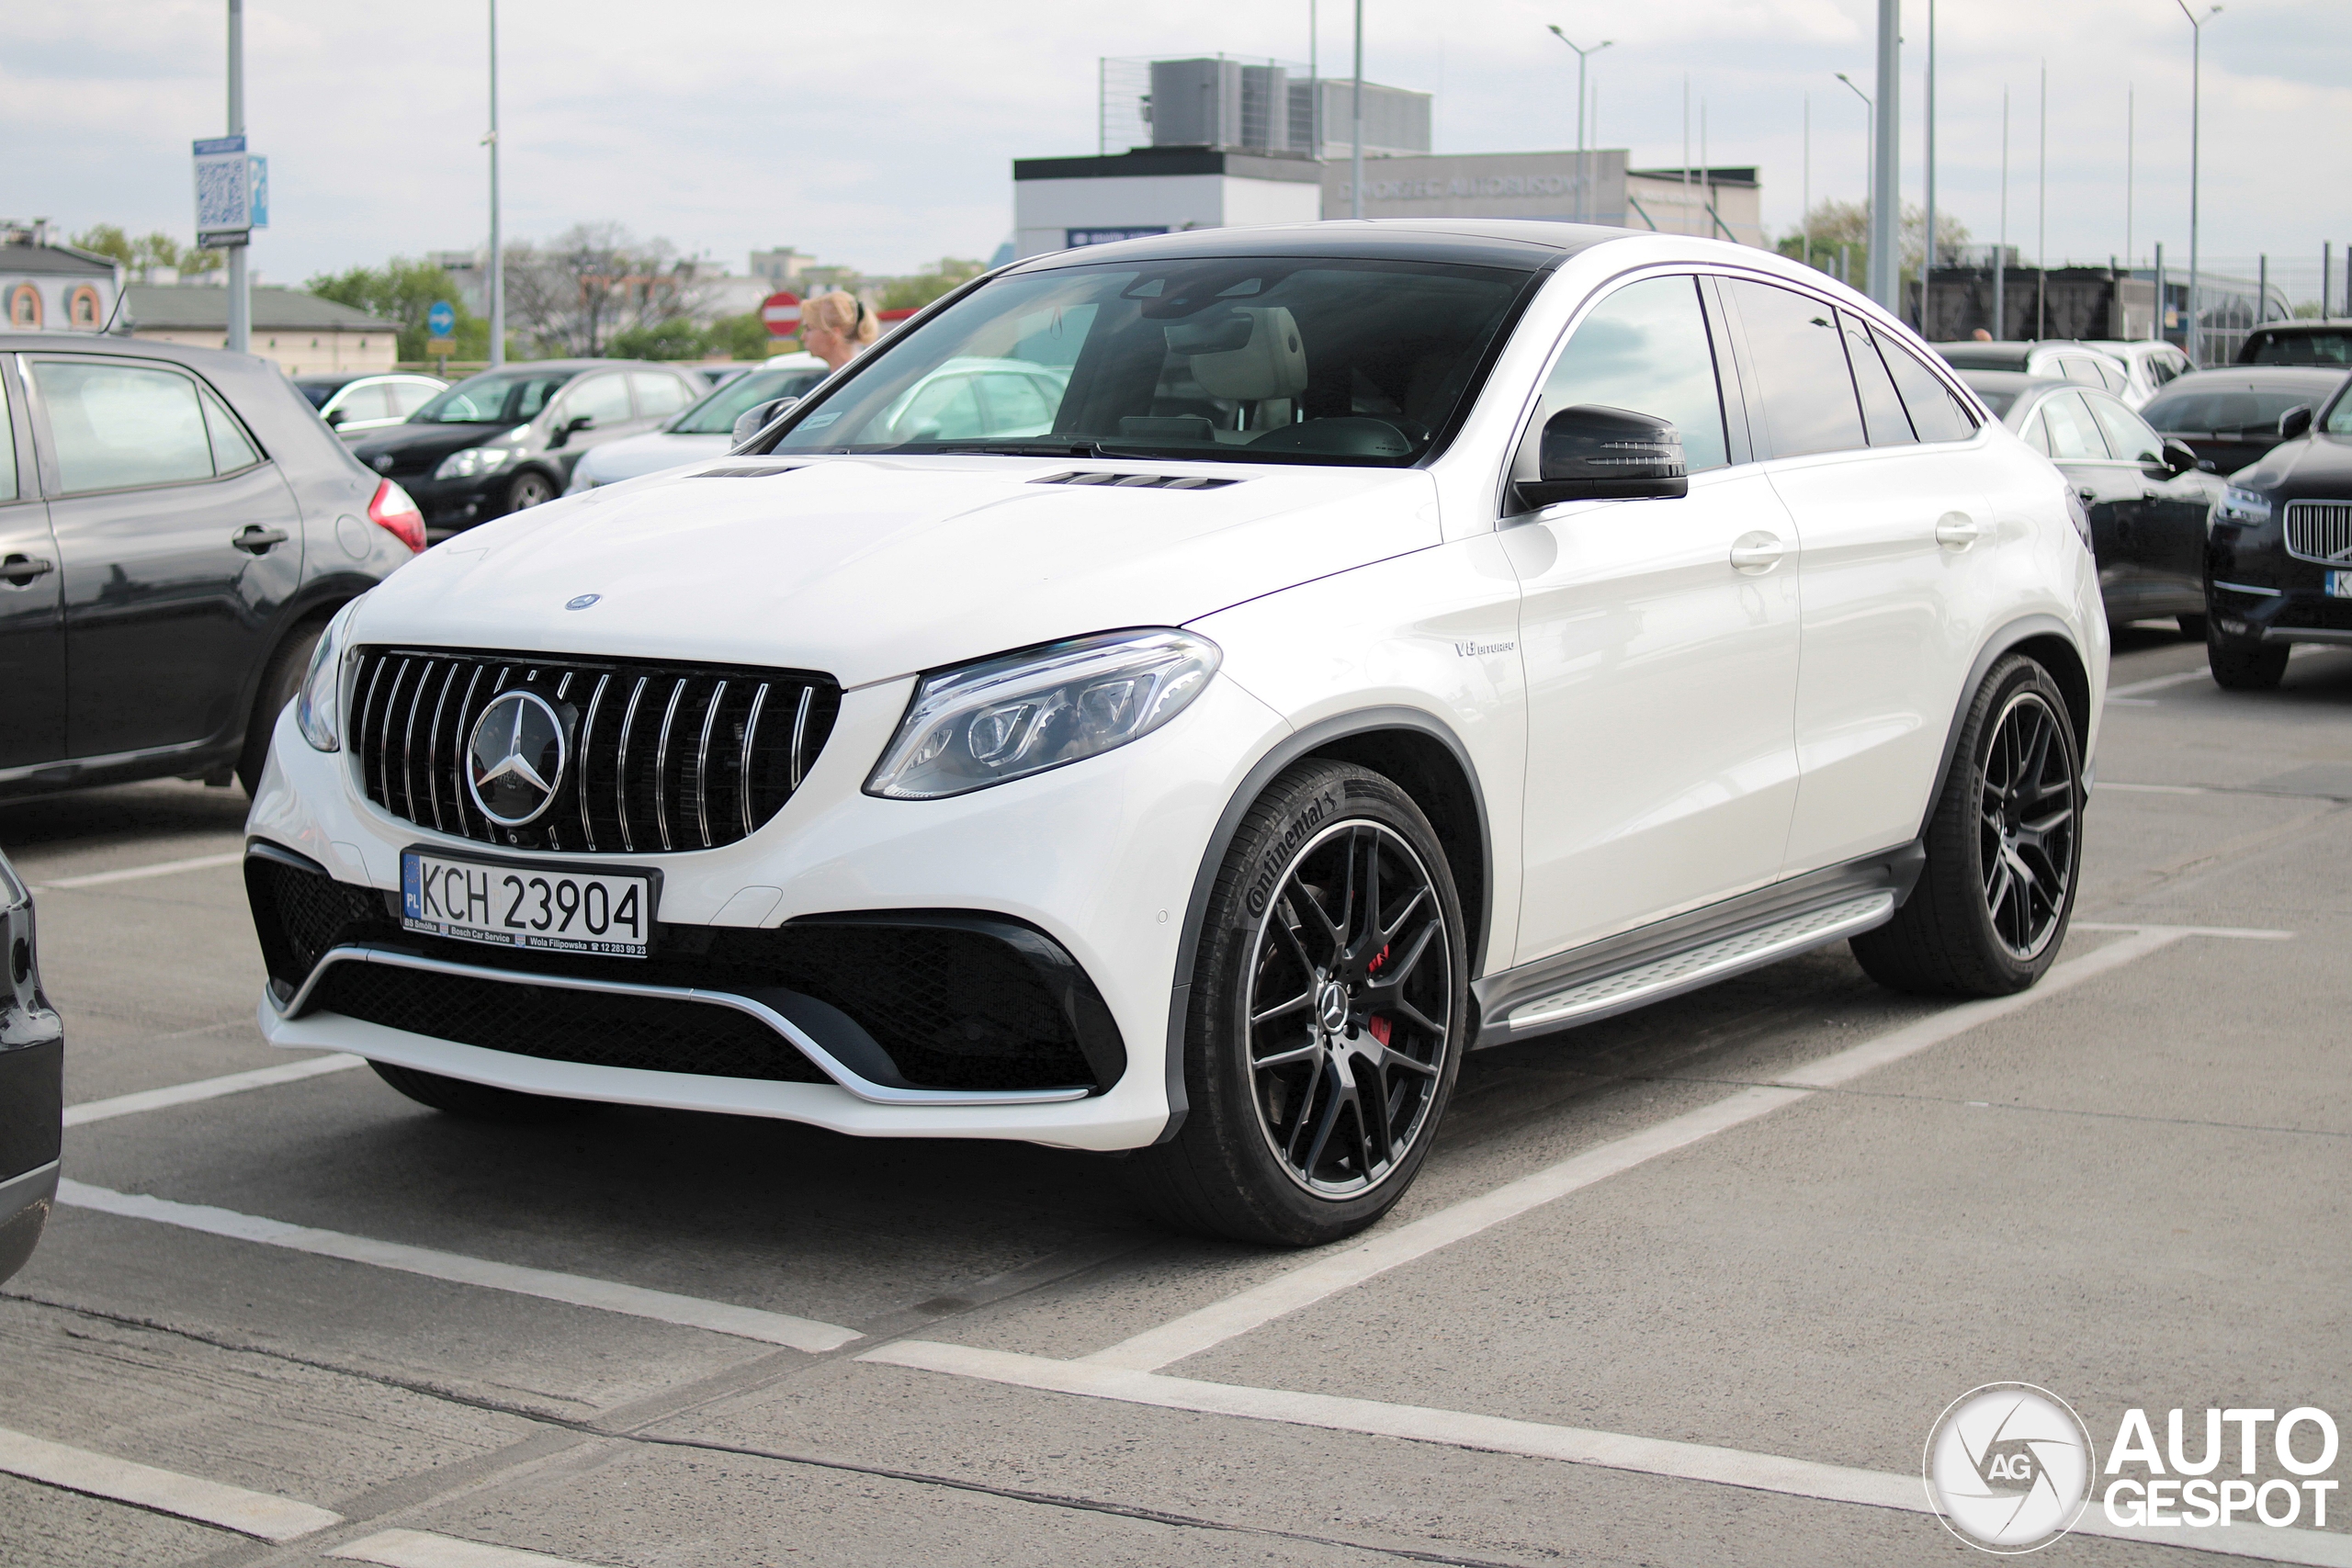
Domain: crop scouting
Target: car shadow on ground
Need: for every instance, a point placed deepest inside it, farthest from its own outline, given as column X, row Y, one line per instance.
column 93, row 818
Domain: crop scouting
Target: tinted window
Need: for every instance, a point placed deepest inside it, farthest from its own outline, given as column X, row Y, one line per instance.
column 1807, row 392
column 2128, row 434
column 658, row 395
column 1883, row 414
column 603, row 399
column 716, row 414
column 231, row 448
column 118, row 424
column 498, row 396
column 1936, row 412
column 1644, row 348
column 2072, row 435
column 1299, row 359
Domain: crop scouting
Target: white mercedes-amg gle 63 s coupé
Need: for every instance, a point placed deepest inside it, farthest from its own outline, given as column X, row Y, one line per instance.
column 1275, row 663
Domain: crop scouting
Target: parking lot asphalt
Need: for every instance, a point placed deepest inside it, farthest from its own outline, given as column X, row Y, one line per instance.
column 1688, row 1286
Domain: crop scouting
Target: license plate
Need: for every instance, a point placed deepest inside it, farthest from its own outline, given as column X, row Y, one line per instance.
column 2339, row 584
column 566, row 909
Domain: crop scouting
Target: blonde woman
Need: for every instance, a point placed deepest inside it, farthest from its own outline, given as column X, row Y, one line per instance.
column 836, row 327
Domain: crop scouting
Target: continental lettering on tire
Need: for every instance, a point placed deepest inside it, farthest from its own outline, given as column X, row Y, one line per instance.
column 1270, row 868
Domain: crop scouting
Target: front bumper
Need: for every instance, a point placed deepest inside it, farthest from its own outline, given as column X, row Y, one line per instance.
column 1060, row 897
column 2255, row 591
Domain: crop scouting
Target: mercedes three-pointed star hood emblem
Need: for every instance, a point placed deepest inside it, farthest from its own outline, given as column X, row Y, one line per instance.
column 515, row 758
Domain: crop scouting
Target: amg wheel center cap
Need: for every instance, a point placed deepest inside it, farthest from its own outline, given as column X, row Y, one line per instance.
column 515, row 758
column 1331, row 1006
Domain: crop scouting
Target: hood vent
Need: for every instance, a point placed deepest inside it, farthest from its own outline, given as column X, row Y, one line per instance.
column 745, row 473
column 1139, row 481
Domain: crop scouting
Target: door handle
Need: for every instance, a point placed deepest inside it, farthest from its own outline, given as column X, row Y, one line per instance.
column 255, row 538
column 21, row 570
column 1958, row 530
column 1756, row 553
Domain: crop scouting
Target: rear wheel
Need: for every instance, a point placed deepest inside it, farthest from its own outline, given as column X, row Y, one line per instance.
column 2241, row 665
column 476, row 1101
column 279, row 681
column 2004, row 850
column 1329, row 1010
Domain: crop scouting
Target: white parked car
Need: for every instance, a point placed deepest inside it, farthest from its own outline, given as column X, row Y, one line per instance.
column 1403, row 638
column 2148, row 365
column 701, row 431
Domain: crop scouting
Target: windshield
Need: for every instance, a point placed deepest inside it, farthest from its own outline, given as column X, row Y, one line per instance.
column 716, row 414
column 1312, row 360
column 2301, row 349
column 496, row 397
column 2223, row 411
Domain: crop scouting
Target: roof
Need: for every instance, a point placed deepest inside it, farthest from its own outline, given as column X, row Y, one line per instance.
column 53, row 258
column 204, row 307
column 1520, row 244
column 2299, row 329
column 2262, row 377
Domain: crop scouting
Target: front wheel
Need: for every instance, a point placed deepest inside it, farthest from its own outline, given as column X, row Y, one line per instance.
column 2242, row 666
column 1328, row 1013
column 529, row 489
column 2004, row 850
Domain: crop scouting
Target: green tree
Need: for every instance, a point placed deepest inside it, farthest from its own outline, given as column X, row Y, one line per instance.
column 677, row 338
column 923, row 286
column 1835, row 223
column 742, row 337
column 155, row 250
column 402, row 290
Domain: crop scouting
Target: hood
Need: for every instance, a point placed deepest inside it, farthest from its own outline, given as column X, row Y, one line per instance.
column 648, row 454
column 2317, row 468
column 873, row 568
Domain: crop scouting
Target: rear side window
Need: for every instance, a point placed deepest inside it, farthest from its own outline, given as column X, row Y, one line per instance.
column 407, row 397
column 658, row 396
column 1883, row 414
column 231, row 448
column 365, row 403
column 1807, row 392
column 1936, row 412
column 119, row 426
column 1644, row 348
column 2071, row 432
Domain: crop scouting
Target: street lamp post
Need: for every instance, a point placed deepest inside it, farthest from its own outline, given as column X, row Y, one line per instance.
column 1886, row 156
column 2196, row 106
column 1870, row 198
column 1356, row 174
column 1928, row 264
column 240, row 298
column 497, row 280
column 1584, row 169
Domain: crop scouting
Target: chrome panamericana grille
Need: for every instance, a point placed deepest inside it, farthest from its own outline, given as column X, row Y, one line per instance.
column 659, row 757
column 2320, row 531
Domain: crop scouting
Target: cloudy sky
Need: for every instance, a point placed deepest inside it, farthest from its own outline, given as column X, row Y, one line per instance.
column 880, row 134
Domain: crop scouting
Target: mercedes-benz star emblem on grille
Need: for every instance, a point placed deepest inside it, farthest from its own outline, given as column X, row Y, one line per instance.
column 514, row 762
column 583, row 602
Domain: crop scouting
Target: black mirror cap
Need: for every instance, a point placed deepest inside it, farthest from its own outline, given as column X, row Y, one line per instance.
column 2296, row 421
column 1592, row 452
column 2179, row 456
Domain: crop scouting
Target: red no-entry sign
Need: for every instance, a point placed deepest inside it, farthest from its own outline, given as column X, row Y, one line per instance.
column 782, row 313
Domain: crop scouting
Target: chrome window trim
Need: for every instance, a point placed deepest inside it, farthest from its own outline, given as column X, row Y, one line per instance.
column 874, row 1093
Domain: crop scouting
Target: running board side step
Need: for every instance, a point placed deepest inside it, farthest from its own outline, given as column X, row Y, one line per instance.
column 1703, row 965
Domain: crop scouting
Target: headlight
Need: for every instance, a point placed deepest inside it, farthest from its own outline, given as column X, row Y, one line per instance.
column 318, row 707
column 2244, row 506
column 473, row 462
column 1022, row 714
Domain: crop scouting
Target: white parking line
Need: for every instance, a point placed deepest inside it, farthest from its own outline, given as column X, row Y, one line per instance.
column 255, row 1514
column 1285, row 1293
column 133, row 873
column 2150, row 789
column 91, row 1110
column 420, row 1548
column 2138, row 687
column 1535, row 1439
column 630, row 1301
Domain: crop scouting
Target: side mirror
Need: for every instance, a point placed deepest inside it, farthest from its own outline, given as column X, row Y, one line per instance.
column 2296, row 421
column 565, row 429
column 335, row 417
column 1590, row 453
column 759, row 416
column 2179, row 457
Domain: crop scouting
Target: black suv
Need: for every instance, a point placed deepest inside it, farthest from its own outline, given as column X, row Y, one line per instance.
column 2279, row 566
column 176, row 528
column 507, row 438
column 2298, row 343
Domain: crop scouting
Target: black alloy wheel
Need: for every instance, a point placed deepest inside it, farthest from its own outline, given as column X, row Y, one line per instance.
column 530, row 488
column 2005, row 848
column 1327, row 1016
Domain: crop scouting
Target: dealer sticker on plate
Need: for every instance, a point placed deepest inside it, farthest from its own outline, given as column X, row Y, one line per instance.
column 523, row 906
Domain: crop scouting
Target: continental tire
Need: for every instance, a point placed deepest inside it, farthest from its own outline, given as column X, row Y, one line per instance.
column 1330, row 1007
column 2004, row 849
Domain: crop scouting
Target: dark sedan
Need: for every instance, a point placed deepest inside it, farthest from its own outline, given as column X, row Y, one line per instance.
column 2229, row 418
column 506, row 439
column 32, row 1054
column 2147, row 497
column 2298, row 343
column 2278, row 569
column 176, row 526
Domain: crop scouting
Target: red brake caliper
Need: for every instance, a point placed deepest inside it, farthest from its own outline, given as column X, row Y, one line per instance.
column 1376, row 1025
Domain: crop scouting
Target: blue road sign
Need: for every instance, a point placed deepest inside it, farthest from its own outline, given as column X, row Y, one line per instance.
column 442, row 320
